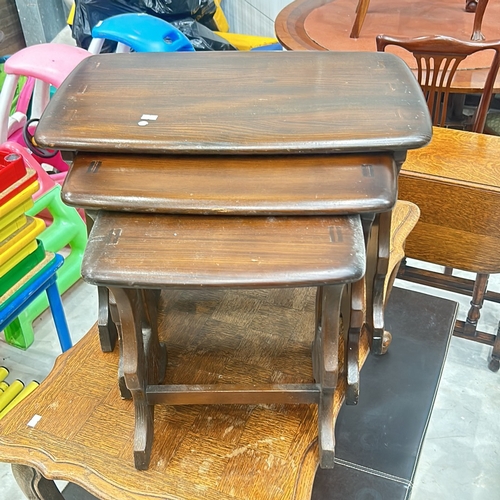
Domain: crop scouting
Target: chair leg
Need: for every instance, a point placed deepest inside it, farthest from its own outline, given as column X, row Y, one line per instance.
column 361, row 10
column 59, row 317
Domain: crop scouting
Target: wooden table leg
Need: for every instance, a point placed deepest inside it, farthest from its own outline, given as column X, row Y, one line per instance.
column 34, row 485
column 377, row 266
column 144, row 361
column 354, row 326
column 494, row 363
column 326, row 367
column 470, row 325
column 479, row 9
column 107, row 328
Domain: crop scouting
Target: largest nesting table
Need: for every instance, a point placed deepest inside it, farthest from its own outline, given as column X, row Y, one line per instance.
column 239, row 170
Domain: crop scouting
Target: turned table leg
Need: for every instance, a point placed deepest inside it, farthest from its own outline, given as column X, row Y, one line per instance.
column 494, row 363
column 34, row 485
column 476, row 303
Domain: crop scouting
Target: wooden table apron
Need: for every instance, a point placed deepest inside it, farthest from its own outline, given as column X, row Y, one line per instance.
column 242, row 105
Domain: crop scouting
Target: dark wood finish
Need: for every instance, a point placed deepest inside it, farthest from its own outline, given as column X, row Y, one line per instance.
column 324, row 25
column 199, row 452
column 295, row 106
column 190, row 251
column 107, row 329
column 438, row 58
column 222, row 252
column 237, row 102
column 480, row 9
column 274, row 185
column 455, row 182
column 243, row 185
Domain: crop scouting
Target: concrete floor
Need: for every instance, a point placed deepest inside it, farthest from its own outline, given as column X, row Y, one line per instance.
column 460, row 458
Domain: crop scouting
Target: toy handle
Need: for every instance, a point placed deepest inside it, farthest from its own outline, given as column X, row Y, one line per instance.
column 29, row 139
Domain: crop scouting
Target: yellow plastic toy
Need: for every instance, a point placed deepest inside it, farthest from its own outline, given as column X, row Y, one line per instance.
column 11, row 247
column 246, row 42
column 23, row 198
column 22, row 395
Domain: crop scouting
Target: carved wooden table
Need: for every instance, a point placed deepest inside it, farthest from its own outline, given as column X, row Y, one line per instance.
column 299, row 104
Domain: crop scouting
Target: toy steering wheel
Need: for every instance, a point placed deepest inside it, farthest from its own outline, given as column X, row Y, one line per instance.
column 29, row 139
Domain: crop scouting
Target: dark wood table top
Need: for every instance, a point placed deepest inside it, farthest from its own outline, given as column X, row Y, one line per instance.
column 241, row 102
column 184, row 251
column 215, row 184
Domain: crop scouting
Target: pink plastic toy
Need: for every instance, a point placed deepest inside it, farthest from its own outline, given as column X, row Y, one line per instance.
column 47, row 64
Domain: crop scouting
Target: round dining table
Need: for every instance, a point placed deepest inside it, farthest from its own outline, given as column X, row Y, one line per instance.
column 326, row 25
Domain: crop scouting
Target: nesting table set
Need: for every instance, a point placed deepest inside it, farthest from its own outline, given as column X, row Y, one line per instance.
column 239, row 170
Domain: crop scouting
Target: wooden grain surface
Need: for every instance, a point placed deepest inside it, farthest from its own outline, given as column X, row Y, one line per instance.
column 226, row 452
column 458, row 157
column 241, row 102
column 267, row 185
column 455, row 181
column 151, row 251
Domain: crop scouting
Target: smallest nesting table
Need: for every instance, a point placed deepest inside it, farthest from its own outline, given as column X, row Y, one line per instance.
column 134, row 255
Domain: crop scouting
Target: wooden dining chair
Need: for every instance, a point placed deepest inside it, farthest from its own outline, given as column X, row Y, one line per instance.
column 438, row 59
